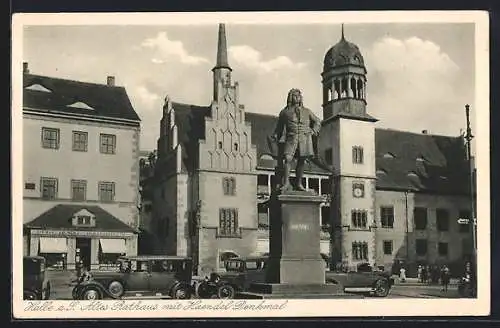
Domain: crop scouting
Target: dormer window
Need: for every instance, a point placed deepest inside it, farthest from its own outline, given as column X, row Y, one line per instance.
column 389, row 155
column 38, row 87
column 83, row 218
column 80, row 105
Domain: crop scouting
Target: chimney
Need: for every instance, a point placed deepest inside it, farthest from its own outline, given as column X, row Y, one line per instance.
column 25, row 68
column 424, row 131
column 111, row 81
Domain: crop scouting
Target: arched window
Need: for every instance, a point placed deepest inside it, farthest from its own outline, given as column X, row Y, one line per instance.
column 336, row 85
column 354, row 93
column 343, row 93
column 361, row 94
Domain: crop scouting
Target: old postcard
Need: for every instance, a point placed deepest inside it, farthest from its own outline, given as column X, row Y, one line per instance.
column 269, row 164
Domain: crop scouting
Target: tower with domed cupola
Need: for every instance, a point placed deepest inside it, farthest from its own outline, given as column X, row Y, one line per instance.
column 347, row 142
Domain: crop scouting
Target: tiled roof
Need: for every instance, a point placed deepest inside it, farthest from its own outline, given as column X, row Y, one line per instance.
column 59, row 217
column 420, row 161
column 438, row 162
column 74, row 97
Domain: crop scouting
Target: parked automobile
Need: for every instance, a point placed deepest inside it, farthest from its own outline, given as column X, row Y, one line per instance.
column 36, row 285
column 240, row 273
column 139, row 277
column 364, row 280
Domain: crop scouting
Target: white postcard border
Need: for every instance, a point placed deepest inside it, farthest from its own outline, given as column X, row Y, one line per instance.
column 306, row 308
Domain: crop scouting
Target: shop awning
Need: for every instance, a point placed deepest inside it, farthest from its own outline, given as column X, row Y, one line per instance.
column 53, row 245
column 113, row 246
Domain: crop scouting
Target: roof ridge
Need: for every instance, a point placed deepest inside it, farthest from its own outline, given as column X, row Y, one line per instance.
column 75, row 81
column 416, row 133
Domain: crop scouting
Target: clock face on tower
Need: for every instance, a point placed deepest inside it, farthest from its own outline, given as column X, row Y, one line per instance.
column 358, row 190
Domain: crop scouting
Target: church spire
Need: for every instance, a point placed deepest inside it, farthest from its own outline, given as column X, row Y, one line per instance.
column 222, row 61
column 343, row 38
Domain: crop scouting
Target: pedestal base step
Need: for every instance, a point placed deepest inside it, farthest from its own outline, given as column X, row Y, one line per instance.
column 275, row 288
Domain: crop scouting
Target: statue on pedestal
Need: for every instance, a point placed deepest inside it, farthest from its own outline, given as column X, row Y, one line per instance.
column 296, row 134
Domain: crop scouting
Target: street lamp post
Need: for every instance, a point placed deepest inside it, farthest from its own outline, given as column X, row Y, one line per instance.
column 472, row 221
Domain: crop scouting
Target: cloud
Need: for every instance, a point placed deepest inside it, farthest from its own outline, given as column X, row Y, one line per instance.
column 251, row 58
column 170, row 50
column 145, row 96
column 410, row 81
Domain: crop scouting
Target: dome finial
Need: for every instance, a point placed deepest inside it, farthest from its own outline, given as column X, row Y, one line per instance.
column 343, row 38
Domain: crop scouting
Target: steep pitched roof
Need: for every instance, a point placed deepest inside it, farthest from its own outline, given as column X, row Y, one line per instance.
column 59, row 217
column 75, row 97
column 416, row 162
column 420, row 162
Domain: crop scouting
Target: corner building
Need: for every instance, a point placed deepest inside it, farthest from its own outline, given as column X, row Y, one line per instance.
column 80, row 171
column 394, row 195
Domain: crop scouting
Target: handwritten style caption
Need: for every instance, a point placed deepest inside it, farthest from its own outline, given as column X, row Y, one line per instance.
column 194, row 305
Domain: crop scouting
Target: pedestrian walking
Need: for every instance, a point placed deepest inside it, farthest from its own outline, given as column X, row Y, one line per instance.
column 445, row 278
column 419, row 274
column 425, row 274
column 402, row 274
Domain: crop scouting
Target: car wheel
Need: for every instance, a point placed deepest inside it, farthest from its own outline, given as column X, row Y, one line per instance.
column 29, row 295
column 381, row 288
column 115, row 289
column 226, row 292
column 181, row 293
column 91, row 293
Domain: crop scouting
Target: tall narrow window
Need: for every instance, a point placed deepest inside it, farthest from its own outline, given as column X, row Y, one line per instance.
column 108, row 143
column 228, row 222
column 387, row 247
column 359, row 219
column 357, row 155
column 80, row 141
column 360, row 250
column 421, row 247
column 229, row 186
column 48, row 188
column 50, row 138
column 442, row 219
column 78, row 190
column 106, row 191
column 443, row 249
column 387, row 216
column 420, row 218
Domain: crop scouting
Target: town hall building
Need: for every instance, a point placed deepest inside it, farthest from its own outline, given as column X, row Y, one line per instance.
column 393, row 195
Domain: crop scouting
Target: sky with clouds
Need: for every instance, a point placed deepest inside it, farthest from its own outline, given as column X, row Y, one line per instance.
column 420, row 76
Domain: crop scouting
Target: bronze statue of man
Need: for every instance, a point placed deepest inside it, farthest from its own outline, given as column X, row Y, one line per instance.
column 298, row 125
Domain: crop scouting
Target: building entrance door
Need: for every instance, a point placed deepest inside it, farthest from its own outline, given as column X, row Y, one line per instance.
column 83, row 244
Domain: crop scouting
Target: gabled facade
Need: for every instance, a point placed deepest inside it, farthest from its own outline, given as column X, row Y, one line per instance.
column 395, row 195
column 81, row 148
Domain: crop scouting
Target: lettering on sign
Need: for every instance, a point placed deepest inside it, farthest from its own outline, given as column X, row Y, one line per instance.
column 75, row 233
column 299, row 227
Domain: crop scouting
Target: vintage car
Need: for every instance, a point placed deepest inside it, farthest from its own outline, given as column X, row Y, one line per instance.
column 365, row 280
column 240, row 273
column 36, row 285
column 139, row 277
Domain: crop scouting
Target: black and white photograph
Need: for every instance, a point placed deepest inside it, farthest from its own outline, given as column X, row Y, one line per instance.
column 250, row 164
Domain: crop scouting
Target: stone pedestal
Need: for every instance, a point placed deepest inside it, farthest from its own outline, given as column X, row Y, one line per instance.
column 295, row 239
column 295, row 267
